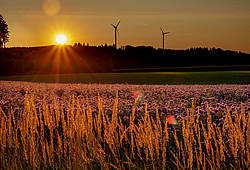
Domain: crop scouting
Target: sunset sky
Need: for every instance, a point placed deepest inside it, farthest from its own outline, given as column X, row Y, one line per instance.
column 192, row 23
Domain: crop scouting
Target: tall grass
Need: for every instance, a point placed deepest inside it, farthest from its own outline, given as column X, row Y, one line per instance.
column 50, row 136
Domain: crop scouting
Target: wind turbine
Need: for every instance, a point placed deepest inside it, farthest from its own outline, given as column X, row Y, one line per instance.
column 116, row 27
column 163, row 38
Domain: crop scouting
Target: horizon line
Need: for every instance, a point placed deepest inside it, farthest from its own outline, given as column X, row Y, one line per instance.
column 109, row 45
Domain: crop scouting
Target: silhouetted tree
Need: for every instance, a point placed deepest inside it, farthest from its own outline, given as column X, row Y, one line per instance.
column 4, row 32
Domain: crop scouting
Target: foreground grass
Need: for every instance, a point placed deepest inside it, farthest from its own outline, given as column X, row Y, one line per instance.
column 212, row 77
column 50, row 136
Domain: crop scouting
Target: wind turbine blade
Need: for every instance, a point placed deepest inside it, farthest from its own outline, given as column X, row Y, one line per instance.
column 161, row 30
column 113, row 25
column 117, row 24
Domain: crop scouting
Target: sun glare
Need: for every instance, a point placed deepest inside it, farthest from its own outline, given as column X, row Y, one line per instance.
column 61, row 39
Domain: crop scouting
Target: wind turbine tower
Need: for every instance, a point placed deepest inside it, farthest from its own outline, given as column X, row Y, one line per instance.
column 116, row 27
column 163, row 38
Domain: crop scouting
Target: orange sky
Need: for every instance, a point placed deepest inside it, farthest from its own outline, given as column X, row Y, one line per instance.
column 193, row 23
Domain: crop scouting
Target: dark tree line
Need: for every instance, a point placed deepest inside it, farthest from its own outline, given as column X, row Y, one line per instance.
column 84, row 58
column 148, row 57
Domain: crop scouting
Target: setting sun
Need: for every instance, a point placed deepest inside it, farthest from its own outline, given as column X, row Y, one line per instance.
column 61, row 39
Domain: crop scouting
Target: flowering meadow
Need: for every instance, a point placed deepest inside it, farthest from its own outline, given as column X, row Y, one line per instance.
column 118, row 126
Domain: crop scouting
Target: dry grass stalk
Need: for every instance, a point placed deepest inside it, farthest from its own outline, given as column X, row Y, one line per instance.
column 71, row 136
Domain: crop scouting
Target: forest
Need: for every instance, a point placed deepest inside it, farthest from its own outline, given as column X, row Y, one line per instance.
column 81, row 58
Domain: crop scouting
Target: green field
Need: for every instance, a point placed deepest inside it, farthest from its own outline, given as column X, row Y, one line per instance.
column 212, row 77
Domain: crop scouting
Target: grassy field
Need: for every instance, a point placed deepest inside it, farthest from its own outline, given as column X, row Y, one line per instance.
column 50, row 136
column 121, row 126
column 212, row 77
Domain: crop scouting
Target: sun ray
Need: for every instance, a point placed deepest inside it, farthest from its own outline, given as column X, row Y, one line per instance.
column 46, row 59
column 78, row 60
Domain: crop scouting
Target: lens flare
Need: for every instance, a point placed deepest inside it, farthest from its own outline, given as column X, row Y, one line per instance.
column 51, row 7
column 171, row 120
column 138, row 96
